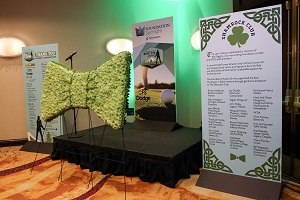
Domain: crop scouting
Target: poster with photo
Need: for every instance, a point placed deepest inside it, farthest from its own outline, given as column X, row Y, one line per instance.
column 154, row 76
column 35, row 60
column 241, row 77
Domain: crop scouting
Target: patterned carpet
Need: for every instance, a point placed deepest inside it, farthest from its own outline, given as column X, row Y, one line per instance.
column 18, row 180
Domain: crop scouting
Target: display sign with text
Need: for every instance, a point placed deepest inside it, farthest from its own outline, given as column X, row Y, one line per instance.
column 241, row 77
column 154, row 76
column 35, row 60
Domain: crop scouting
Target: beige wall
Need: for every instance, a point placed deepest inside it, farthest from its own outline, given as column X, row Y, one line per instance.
column 74, row 25
column 12, row 105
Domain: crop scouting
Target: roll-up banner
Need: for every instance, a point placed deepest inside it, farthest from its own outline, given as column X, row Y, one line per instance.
column 241, row 78
column 35, row 60
column 154, row 74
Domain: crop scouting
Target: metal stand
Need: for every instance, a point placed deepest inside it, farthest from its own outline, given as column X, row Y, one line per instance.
column 98, row 154
column 37, row 151
column 74, row 111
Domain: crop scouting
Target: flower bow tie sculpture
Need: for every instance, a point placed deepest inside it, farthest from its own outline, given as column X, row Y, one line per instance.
column 104, row 90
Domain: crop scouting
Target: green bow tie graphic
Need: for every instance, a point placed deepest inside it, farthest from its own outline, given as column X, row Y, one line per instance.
column 241, row 158
column 104, row 90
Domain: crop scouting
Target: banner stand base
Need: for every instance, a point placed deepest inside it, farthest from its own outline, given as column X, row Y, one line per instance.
column 33, row 146
column 149, row 125
column 239, row 185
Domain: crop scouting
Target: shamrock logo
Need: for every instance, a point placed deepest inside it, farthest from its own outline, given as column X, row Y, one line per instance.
column 238, row 36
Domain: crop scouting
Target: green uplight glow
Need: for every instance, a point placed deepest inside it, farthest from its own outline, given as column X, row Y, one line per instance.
column 188, row 71
column 121, row 14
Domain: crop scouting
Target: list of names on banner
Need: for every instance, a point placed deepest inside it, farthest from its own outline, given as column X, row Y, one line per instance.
column 239, row 102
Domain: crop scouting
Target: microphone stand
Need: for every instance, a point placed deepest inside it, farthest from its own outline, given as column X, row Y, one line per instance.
column 74, row 112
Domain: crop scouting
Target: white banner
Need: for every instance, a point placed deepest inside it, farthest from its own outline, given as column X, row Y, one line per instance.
column 241, row 77
column 35, row 60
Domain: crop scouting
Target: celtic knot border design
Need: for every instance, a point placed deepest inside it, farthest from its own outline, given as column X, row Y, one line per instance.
column 269, row 19
column 211, row 161
column 209, row 27
column 270, row 170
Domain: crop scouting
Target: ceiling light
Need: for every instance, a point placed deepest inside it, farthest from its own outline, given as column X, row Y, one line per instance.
column 195, row 40
column 117, row 45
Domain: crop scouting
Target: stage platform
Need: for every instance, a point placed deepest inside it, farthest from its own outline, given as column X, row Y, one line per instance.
column 153, row 156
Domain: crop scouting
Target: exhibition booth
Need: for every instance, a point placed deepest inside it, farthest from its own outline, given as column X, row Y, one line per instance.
column 157, row 110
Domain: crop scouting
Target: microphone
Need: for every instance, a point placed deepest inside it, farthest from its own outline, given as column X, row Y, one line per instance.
column 70, row 56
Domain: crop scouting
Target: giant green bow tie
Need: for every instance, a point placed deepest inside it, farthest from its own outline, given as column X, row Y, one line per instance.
column 104, row 90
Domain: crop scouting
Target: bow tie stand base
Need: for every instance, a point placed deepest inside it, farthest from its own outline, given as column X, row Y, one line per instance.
column 39, row 127
column 94, row 149
column 102, row 156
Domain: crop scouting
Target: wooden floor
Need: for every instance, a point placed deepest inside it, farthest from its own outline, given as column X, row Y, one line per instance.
column 43, row 183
